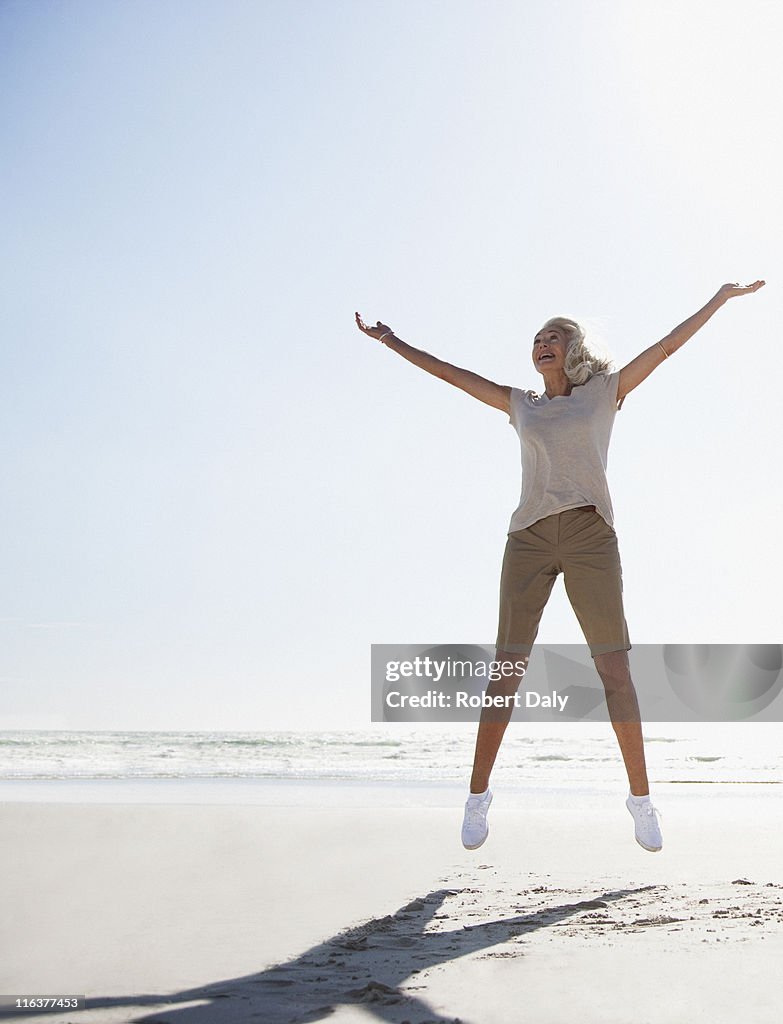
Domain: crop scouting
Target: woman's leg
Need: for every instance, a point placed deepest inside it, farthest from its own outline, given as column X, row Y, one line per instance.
column 624, row 711
column 623, row 707
column 493, row 722
column 594, row 584
column 526, row 580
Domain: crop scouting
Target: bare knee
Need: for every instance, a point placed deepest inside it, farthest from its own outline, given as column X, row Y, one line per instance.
column 613, row 668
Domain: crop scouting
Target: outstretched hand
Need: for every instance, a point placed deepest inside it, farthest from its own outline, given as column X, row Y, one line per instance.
column 376, row 332
column 730, row 291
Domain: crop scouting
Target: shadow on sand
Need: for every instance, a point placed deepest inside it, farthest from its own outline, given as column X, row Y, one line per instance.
column 375, row 965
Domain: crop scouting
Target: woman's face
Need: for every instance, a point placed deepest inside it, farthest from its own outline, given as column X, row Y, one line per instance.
column 549, row 349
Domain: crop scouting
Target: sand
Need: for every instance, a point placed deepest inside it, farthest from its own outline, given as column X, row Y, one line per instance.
column 347, row 903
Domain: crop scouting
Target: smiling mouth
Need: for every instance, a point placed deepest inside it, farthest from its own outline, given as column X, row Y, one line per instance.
column 545, row 357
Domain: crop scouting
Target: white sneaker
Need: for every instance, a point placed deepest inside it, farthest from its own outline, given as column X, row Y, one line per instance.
column 648, row 831
column 474, row 825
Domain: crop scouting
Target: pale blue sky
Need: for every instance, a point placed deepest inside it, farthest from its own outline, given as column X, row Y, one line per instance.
column 218, row 493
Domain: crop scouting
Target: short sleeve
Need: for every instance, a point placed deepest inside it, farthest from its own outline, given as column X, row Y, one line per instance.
column 615, row 378
column 515, row 404
column 610, row 384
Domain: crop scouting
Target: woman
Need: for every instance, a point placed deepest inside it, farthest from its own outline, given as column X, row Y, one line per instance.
column 563, row 523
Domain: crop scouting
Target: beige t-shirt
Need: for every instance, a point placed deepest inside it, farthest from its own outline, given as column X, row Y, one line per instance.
column 565, row 443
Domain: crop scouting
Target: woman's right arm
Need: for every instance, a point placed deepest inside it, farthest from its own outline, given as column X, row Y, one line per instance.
column 496, row 395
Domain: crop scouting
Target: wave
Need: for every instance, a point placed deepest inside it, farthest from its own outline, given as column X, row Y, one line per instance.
column 360, row 755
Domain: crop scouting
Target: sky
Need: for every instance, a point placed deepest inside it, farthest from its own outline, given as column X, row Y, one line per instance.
column 217, row 493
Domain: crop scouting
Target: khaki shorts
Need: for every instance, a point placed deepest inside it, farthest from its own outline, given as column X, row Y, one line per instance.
column 580, row 544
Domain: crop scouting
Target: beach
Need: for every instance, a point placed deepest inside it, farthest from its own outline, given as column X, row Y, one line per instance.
column 289, row 901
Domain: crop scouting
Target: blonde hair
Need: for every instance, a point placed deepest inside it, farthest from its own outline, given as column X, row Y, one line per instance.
column 581, row 361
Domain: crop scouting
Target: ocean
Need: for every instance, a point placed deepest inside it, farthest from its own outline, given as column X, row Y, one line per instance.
column 741, row 753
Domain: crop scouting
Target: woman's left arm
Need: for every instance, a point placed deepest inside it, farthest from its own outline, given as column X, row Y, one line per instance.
column 632, row 375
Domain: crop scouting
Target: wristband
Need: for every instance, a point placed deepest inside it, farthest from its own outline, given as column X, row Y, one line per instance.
column 386, row 335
